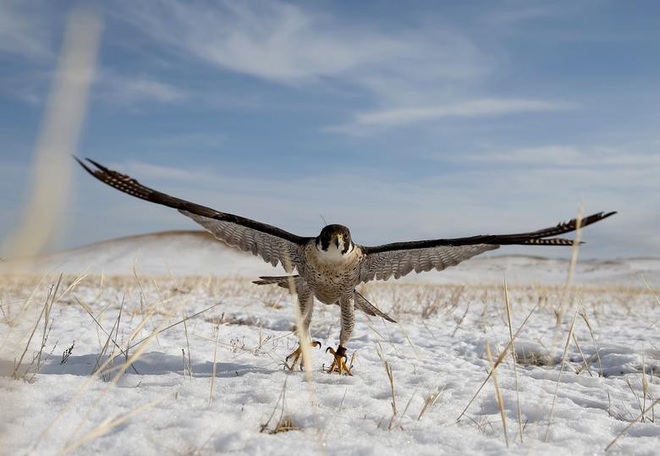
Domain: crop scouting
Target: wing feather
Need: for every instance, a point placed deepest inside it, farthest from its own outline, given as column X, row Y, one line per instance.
column 398, row 263
column 401, row 258
column 272, row 249
column 272, row 244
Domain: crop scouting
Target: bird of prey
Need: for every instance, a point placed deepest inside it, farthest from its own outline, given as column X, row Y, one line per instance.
column 330, row 266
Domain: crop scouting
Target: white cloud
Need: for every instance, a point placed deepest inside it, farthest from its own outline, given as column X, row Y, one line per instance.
column 151, row 90
column 184, row 140
column 543, row 155
column 125, row 89
column 271, row 40
column 553, row 155
column 474, row 108
column 28, row 45
column 151, row 171
column 415, row 74
column 521, row 12
column 285, row 44
column 25, row 30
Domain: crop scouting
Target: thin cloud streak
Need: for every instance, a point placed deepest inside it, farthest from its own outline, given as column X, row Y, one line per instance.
column 158, row 172
column 124, row 89
column 571, row 156
column 474, row 108
column 185, row 140
column 25, row 31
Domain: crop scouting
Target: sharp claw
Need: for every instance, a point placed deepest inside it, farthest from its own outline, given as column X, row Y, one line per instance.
column 295, row 355
column 338, row 353
column 339, row 363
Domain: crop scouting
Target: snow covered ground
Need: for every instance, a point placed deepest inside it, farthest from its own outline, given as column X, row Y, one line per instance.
column 215, row 383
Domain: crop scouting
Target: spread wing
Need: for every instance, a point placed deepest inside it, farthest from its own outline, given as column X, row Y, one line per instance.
column 401, row 258
column 272, row 244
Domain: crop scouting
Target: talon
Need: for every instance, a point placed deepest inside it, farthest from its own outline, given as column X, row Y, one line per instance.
column 339, row 363
column 297, row 356
column 337, row 354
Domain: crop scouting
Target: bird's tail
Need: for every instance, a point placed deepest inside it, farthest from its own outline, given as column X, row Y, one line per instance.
column 361, row 303
column 280, row 281
column 368, row 308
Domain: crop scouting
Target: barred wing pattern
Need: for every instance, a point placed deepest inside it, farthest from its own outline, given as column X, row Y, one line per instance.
column 271, row 248
column 401, row 258
column 398, row 263
column 272, row 244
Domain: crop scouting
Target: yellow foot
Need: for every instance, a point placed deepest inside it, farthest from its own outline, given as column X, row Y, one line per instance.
column 297, row 356
column 339, row 363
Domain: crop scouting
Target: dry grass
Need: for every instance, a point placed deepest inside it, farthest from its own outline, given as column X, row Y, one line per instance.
column 632, row 423
column 515, row 367
column 569, row 337
column 284, row 423
column 497, row 362
column 390, row 379
column 429, row 401
column 498, row 394
column 22, row 369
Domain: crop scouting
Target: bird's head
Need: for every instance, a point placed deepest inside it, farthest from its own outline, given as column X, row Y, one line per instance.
column 334, row 238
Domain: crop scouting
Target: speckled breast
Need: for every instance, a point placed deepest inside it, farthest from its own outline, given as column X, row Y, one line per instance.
column 331, row 279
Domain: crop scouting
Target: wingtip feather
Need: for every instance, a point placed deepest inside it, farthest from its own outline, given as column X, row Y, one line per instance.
column 84, row 165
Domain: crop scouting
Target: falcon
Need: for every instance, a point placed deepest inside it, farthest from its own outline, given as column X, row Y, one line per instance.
column 330, row 266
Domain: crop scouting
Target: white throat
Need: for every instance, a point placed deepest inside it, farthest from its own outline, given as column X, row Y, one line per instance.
column 334, row 253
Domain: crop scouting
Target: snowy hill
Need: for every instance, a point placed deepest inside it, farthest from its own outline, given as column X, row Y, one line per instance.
column 164, row 253
column 198, row 253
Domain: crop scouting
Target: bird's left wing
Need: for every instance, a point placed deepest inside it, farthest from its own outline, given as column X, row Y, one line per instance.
column 272, row 244
column 401, row 258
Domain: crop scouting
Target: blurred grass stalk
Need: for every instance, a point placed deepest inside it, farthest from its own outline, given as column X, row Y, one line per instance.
column 50, row 180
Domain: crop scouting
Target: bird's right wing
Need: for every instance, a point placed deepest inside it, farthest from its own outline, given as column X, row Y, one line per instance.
column 272, row 244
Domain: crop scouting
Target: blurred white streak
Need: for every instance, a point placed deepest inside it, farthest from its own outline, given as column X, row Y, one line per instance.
column 64, row 116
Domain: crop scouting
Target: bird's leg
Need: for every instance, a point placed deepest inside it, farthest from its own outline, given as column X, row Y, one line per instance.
column 306, row 306
column 338, row 365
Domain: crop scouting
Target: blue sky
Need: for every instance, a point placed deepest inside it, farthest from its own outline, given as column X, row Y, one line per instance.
column 401, row 120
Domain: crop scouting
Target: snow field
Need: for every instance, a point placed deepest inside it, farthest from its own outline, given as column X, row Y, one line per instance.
column 216, row 382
